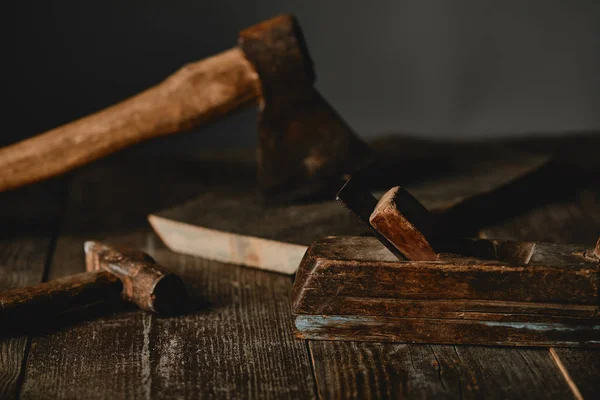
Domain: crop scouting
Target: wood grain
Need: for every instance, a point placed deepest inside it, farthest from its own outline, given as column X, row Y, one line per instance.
column 31, row 218
column 405, row 223
column 490, row 372
column 198, row 93
column 459, row 331
column 42, row 301
column 103, row 357
column 238, row 228
column 352, row 370
column 236, row 343
column 576, row 220
column 233, row 224
column 356, row 266
column 583, row 368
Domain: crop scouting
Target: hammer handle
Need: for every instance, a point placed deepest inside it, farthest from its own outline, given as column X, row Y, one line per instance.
column 58, row 296
column 198, row 93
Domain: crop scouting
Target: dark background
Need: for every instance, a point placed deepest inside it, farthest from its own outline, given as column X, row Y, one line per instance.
column 443, row 69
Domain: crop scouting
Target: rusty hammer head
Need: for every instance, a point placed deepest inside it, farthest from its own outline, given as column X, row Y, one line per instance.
column 145, row 283
column 304, row 145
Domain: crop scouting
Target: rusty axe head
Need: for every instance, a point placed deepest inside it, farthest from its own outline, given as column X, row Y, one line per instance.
column 304, row 145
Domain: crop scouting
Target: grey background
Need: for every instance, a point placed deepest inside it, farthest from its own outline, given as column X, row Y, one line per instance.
column 442, row 69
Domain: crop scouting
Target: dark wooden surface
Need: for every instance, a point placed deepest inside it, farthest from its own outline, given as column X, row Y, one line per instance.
column 29, row 229
column 307, row 222
column 231, row 222
column 236, row 341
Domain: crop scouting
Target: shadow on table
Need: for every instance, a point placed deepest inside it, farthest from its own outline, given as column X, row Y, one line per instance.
column 102, row 312
column 139, row 185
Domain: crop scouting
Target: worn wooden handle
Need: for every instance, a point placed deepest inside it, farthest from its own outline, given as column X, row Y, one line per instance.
column 58, row 296
column 196, row 94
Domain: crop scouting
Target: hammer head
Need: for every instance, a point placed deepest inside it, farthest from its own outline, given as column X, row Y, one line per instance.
column 145, row 283
column 304, row 145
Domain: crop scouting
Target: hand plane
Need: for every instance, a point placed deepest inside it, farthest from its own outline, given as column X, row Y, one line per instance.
column 411, row 283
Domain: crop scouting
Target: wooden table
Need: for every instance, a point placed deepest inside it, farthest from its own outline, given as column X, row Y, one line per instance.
column 239, row 344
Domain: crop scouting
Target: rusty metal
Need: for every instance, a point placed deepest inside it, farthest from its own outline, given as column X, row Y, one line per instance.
column 305, row 146
column 145, row 283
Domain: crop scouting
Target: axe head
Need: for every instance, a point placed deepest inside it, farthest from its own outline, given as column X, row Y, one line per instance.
column 305, row 148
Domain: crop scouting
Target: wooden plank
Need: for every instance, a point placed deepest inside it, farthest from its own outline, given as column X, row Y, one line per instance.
column 29, row 218
column 234, row 225
column 240, row 346
column 356, row 370
column 102, row 356
column 576, row 220
column 108, row 354
column 238, row 228
column 375, row 370
column 582, row 369
column 237, row 343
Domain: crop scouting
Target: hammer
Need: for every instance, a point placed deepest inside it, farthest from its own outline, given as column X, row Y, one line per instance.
column 303, row 142
column 111, row 273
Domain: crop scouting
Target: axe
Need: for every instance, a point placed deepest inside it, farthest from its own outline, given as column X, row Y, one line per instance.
column 304, row 145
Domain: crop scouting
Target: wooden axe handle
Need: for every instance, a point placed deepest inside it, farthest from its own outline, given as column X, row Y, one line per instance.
column 198, row 93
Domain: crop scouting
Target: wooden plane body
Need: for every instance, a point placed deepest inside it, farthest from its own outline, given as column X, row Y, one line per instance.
column 510, row 293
